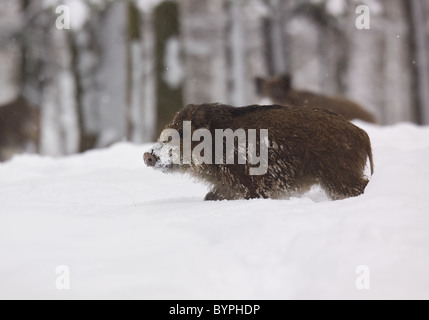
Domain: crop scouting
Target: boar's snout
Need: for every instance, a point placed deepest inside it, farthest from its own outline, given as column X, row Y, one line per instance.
column 149, row 159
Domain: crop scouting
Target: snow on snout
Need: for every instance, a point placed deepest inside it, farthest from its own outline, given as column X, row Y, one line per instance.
column 164, row 155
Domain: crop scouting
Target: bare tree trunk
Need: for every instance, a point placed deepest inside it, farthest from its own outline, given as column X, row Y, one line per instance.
column 169, row 97
column 10, row 59
column 305, row 59
column 236, row 45
column 87, row 139
column 397, row 72
column 112, row 75
column 133, row 72
column 254, row 53
column 276, row 34
column 421, row 61
column 148, row 92
column 60, row 92
column 23, row 49
column 366, row 67
column 203, row 29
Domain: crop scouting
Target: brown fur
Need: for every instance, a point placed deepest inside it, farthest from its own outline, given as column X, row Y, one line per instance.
column 19, row 127
column 307, row 146
column 280, row 91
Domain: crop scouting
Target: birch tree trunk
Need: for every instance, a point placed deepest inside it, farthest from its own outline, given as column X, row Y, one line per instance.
column 112, row 75
column 59, row 96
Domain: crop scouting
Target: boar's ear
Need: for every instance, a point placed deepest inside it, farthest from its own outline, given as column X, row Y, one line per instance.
column 286, row 81
column 259, row 85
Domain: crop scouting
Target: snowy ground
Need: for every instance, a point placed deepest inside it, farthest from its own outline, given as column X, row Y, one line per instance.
column 126, row 231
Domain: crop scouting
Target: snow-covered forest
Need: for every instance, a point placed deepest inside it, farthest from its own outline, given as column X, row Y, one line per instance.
column 86, row 219
column 124, row 67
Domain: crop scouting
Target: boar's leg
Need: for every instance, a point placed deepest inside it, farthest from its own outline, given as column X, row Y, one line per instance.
column 215, row 195
column 345, row 188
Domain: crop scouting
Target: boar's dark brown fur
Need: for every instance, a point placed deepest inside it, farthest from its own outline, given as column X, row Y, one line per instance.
column 280, row 91
column 19, row 127
column 307, row 146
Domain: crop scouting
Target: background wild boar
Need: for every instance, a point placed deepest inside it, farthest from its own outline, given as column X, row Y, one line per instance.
column 280, row 91
column 19, row 128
